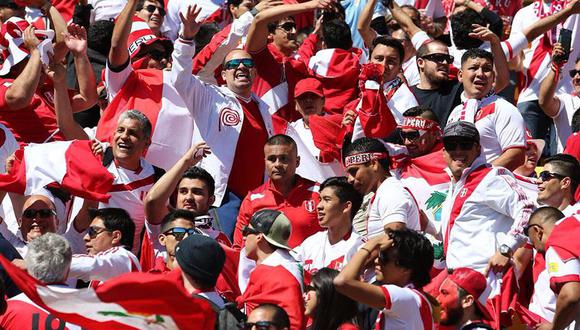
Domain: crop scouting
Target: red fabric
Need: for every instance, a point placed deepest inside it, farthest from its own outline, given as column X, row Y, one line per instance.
column 22, row 315
column 227, row 283
column 303, row 20
column 253, row 133
column 299, row 206
column 564, row 239
column 277, row 286
column 35, row 122
column 160, row 267
column 157, row 296
column 147, row 257
column 430, row 167
column 324, row 130
column 573, row 148
column 388, row 302
column 206, row 53
column 66, row 8
column 528, row 317
column 348, row 326
column 503, row 306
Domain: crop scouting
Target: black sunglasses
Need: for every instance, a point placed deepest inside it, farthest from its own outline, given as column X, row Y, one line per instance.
column 527, row 228
column 573, row 73
column 235, row 63
column 179, row 232
column 463, row 145
column 439, row 58
column 288, row 26
column 411, row 136
column 42, row 213
column 95, row 231
column 249, row 231
column 151, row 9
column 260, row 325
column 547, row 176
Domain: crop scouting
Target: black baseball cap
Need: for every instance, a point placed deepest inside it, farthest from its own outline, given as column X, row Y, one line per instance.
column 461, row 129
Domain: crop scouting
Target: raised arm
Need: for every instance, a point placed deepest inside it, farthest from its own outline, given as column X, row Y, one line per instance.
column 404, row 20
column 548, row 100
column 76, row 42
column 500, row 61
column 158, row 195
column 258, row 34
column 119, row 54
column 547, row 23
column 59, row 26
column 364, row 23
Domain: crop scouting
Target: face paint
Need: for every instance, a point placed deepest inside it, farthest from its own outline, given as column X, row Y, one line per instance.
column 448, row 298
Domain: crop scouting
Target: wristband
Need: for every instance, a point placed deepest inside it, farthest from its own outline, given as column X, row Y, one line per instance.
column 364, row 248
column 254, row 11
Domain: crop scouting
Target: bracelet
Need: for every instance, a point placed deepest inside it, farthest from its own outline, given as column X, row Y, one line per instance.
column 254, row 11
column 364, row 248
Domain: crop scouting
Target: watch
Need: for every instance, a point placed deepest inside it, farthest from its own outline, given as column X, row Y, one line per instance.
column 505, row 250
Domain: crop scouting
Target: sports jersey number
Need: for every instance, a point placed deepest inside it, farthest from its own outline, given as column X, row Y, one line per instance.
column 48, row 323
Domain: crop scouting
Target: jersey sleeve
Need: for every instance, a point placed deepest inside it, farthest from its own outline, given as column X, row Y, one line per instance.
column 510, row 129
column 394, row 207
column 246, row 212
column 561, row 272
column 102, row 266
column 114, row 80
column 399, row 300
column 516, row 43
column 419, row 39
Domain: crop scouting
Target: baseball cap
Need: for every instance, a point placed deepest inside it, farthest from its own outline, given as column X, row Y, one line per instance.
column 274, row 225
column 540, row 144
column 201, row 257
column 461, row 129
column 308, row 85
column 474, row 283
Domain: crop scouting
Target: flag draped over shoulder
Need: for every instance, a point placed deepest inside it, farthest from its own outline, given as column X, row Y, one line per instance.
column 131, row 301
column 71, row 164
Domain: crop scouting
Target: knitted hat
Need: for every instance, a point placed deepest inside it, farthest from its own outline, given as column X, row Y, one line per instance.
column 201, row 257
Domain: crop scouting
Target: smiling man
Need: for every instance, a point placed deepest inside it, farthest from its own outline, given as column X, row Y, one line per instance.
column 152, row 12
column 558, row 181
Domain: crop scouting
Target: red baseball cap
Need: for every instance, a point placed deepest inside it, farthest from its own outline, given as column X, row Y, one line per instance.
column 474, row 283
column 308, row 85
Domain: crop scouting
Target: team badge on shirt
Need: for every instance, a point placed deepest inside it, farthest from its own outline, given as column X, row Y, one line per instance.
column 229, row 117
column 309, row 205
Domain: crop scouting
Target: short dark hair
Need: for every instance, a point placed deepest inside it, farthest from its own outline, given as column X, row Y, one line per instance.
column 576, row 121
column 547, row 214
column 141, row 4
column 476, row 53
column 425, row 48
column 415, row 252
column 280, row 316
column 99, row 36
column 332, row 308
column 421, row 110
column 174, row 215
column 379, row 24
column 366, row 144
column 461, row 25
column 281, row 139
column 117, row 219
column 417, row 18
column 566, row 165
column 273, row 25
column 336, row 34
column 204, row 35
column 345, row 192
column 389, row 42
column 199, row 173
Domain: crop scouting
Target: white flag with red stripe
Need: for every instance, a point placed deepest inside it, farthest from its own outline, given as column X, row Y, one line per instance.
column 70, row 164
column 128, row 302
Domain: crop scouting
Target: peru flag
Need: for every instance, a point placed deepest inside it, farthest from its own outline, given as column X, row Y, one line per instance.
column 128, row 302
column 70, row 164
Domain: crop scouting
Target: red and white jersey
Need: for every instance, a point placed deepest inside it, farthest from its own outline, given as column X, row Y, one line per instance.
column 220, row 124
column 8, row 145
column 392, row 203
column 405, row 309
column 411, row 71
column 483, row 210
column 563, row 253
column 299, row 206
column 316, row 252
column 543, row 302
column 430, row 8
column 219, row 236
column 529, row 187
column 172, row 23
column 105, row 10
column 537, row 57
column 277, row 280
column 500, row 124
column 569, row 103
column 103, row 265
column 400, row 101
column 23, row 313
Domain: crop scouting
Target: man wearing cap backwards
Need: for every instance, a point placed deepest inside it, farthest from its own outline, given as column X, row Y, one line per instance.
column 501, row 127
column 367, row 166
column 557, row 240
column 277, row 278
column 459, row 298
column 201, row 260
column 485, row 210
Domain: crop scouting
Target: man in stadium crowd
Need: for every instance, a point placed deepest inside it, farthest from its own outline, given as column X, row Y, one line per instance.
column 557, row 183
column 175, row 227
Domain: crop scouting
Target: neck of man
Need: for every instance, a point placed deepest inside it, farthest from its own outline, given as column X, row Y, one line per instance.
column 565, row 202
column 287, row 52
column 170, row 260
column 190, row 286
column 263, row 254
column 285, row 186
column 306, row 120
column 130, row 164
column 382, row 177
column 245, row 96
column 337, row 233
column 469, row 316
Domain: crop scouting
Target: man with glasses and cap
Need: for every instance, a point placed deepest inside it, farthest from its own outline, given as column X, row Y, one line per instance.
column 152, row 12
column 277, row 278
column 557, row 183
column 175, row 226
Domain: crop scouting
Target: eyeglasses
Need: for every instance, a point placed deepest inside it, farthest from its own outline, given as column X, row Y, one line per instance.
column 288, row 26
column 249, row 231
column 260, row 325
column 452, row 145
column 527, row 228
column 179, row 232
column 94, row 231
column 411, row 136
column 573, row 73
column 42, row 213
column 547, row 176
column 439, row 58
column 151, row 9
column 235, row 63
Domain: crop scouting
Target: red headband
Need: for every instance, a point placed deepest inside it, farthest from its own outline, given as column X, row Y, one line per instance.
column 419, row 123
column 364, row 157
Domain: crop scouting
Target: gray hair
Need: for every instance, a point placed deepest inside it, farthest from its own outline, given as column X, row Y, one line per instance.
column 48, row 258
column 141, row 118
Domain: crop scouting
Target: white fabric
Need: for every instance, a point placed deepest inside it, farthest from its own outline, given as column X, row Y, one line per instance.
column 106, row 10
column 23, row 298
column 411, row 71
column 104, row 265
column 405, row 311
column 543, row 301
column 563, row 119
column 392, row 203
column 8, row 147
column 499, row 129
column 434, row 8
column 172, row 23
column 222, row 138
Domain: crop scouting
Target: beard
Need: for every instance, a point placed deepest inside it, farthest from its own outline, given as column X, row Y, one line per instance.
column 454, row 316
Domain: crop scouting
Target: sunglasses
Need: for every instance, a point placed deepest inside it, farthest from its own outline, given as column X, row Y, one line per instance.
column 235, row 63
column 463, row 145
column 95, row 231
column 179, row 232
column 527, row 228
column 42, row 213
column 439, row 58
column 288, row 26
column 411, row 136
column 260, row 325
column 249, row 231
column 547, row 176
column 573, row 73
column 152, row 8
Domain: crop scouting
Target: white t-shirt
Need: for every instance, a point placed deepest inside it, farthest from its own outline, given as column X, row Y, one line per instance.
column 106, row 10
column 172, row 24
column 392, row 203
column 405, row 309
column 563, row 120
column 104, row 265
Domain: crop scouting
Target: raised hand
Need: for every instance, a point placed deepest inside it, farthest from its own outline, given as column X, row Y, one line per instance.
column 55, row 71
column 31, row 42
column 75, row 39
column 265, row 4
column 196, row 153
column 190, row 24
column 483, row 33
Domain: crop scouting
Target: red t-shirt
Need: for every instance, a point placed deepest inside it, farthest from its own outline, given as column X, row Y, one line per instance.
column 21, row 314
column 35, row 122
column 248, row 168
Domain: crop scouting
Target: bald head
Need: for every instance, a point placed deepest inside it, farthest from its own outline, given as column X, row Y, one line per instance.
column 239, row 72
